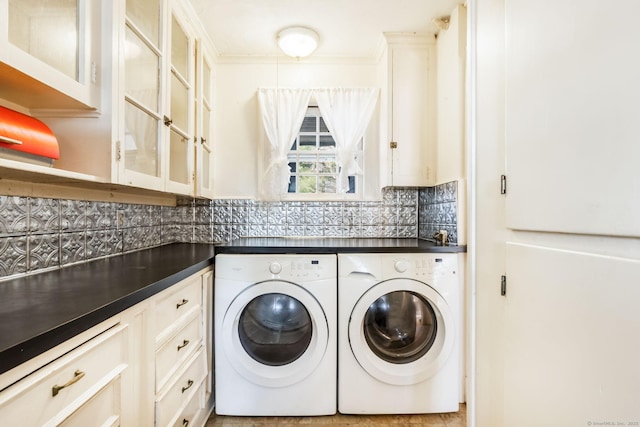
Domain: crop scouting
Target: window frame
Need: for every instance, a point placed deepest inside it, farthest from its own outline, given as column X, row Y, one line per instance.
column 294, row 155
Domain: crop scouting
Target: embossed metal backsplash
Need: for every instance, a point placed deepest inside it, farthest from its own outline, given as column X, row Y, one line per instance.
column 438, row 210
column 394, row 216
column 40, row 233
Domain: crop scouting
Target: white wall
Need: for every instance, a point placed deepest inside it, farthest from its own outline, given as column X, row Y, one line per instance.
column 238, row 130
column 450, row 150
column 450, row 104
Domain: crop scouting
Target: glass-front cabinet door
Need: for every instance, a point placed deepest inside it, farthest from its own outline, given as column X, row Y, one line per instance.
column 50, row 48
column 141, row 148
column 180, row 112
column 204, row 139
column 157, row 141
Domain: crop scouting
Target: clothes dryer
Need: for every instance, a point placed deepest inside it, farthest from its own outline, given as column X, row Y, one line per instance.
column 398, row 328
column 275, row 327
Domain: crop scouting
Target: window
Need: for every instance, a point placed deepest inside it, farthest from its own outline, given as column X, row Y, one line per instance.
column 312, row 159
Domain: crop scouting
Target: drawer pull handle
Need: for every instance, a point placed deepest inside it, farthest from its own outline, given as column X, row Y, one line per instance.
column 77, row 376
column 185, row 422
column 189, row 384
column 181, row 303
column 183, row 345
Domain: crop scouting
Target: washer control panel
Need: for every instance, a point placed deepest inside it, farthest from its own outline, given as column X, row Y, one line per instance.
column 416, row 266
column 307, row 269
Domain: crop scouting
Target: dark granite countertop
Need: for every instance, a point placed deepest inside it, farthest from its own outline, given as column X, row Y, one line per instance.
column 280, row 245
column 40, row 311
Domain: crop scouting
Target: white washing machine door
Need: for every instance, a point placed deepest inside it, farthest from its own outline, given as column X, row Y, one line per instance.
column 401, row 331
column 275, row 333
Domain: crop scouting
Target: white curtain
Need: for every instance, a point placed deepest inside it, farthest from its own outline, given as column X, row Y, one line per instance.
column 346, row 112
column 282, row 112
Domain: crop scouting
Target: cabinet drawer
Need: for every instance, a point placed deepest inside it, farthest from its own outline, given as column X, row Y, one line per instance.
column 103, row 409
column 177, row 349
column 177, row 302
column 178, row 395
column 193, row 411
column 52, row 393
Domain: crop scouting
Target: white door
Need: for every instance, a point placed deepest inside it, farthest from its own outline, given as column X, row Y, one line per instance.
column 561, row 78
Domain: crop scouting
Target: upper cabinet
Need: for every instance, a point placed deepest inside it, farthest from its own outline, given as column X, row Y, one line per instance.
column 138, row 131
column 410, row 105
column 181, row 111
column 50, row 53
column 156, row 126
column 204, row 114
column 151, row 110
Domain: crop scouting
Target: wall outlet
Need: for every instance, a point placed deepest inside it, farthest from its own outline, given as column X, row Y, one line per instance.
column 119, row 219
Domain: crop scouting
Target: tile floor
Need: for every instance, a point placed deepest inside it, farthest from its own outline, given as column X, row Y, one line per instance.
column 457, row 419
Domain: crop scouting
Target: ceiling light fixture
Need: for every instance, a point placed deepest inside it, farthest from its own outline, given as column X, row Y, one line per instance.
column 298, row 42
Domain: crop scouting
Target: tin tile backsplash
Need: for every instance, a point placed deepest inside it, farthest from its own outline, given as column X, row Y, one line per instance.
column 395, row 216
column 438, row 210
column 40, row 233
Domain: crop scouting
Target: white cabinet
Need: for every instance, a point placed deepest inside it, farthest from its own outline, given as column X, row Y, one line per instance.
column 204, row 115
column 138, row 128
column 149, row 116
column 50, row 53
column 410, row 102
column 150, row 365
column 571, row 122
column 181, row 109
column 86, row 383
column 155, row 128
column 182, row 352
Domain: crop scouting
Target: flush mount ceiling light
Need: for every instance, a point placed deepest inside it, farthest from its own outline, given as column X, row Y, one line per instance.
column 298, row 42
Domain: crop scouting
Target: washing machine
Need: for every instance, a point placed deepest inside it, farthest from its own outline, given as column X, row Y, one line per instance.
column 398, row 333
column 275, row 326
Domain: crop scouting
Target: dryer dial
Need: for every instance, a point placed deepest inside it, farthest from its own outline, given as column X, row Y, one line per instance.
column 401, row 265
column 275, row 268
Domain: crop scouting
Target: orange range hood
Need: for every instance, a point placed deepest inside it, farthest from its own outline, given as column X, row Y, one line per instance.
column 26, row 139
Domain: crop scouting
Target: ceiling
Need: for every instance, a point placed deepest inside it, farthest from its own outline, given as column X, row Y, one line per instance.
column 347, row 28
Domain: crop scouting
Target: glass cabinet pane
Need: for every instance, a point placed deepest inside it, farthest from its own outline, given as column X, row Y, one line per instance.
column 179, row 49
column 206, row 168
column 179, row 103
column 47, row 30
column 206, row 82
column 141, row 141
column 206, row 154
column 145, row 14
column 142, row 78
column 178, row 170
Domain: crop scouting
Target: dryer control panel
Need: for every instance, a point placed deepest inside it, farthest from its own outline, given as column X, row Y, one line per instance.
column 292, row 267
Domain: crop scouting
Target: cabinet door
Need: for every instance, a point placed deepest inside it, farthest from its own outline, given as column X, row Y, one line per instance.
column 412, row 125
column 50, row 48
column 141, row 146
column 207, row 307
column 571, row 119
column 180, row 109
column 204, row 106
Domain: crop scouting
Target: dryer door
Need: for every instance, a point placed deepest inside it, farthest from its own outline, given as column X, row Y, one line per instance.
column 401, row 331
column 275, row 333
